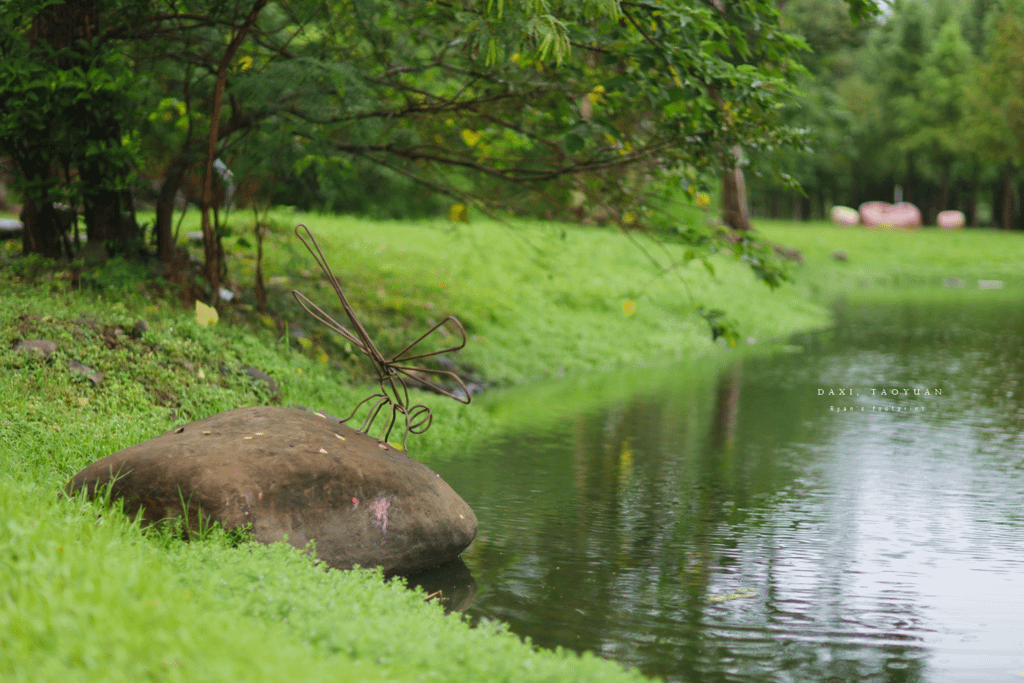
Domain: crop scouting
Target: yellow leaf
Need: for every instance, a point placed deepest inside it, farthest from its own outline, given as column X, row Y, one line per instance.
column 675, row 76
column 611, row 139
column 628, row 307
column 206, row 315
column 470, row 137
column 629, row 217
column 596, row 95
column 459, row 213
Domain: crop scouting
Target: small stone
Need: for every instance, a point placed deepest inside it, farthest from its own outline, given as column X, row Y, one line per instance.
column 40, row 348
column 412, row 519
column 840, row 255
column 82, row 369
column 141, row 326
column 260, row 376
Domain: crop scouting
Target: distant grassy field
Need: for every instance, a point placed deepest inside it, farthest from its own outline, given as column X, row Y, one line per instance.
column 929, row 257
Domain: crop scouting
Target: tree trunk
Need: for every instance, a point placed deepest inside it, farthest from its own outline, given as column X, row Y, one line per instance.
column 40, row 228
column 972, row 203
column 944, row 192
column 211, row 241
column 165, row 209
column 1008, row 197
column 734, row 196
column 997, row 204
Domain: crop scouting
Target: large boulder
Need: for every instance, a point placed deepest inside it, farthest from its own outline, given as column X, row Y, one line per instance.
column 883, row 215
column 844, row 215
column 293, row 476
column 951, row 220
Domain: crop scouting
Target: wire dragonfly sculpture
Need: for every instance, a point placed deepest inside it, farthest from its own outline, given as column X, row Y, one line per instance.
column 391, row 372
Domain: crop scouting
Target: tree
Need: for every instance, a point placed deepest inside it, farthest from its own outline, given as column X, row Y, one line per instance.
column 932, row 120
column 65, row 100
column 994, row 124
column 611, row 101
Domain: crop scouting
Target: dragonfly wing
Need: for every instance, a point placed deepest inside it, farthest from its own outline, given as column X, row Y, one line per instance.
column 408, row 371
column 400, row 356
column 328, row 321
column 364, row 339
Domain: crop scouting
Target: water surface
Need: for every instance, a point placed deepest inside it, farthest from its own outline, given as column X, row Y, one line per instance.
column 749, row 522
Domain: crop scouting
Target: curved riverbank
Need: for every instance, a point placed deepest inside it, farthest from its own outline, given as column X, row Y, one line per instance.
column 94, row 598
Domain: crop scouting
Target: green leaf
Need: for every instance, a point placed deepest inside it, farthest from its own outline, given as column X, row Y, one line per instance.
column 573, row 143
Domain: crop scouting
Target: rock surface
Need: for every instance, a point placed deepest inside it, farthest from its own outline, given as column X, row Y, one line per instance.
column 10, row 229
column 294, row 476
column 844, row 215
column 883, row 215
column 84, row 370
column 951, row 220
column 41, row 348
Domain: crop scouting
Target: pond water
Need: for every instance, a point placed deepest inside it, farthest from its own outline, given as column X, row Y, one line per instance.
column 745, row 521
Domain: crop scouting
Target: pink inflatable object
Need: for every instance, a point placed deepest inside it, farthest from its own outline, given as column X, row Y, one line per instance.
column 951, row 220
column 844, row 215
column 883, row 215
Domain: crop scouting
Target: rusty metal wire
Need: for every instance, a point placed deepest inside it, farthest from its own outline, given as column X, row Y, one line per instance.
column 390, row 371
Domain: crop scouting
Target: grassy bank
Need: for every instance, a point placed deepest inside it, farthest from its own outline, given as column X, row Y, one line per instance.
column 89, row 595
column 539, row 300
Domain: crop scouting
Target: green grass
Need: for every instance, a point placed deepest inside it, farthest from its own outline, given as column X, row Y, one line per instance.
column 86, row 594
column 541, row 300
column 889, row 259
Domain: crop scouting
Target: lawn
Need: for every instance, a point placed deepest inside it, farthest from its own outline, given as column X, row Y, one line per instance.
column 887, row 259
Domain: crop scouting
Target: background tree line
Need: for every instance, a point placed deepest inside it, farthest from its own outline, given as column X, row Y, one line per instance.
column 608, row 110
column 928, row 97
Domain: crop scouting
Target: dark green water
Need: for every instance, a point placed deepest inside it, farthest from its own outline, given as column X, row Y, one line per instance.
column 727, row 523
